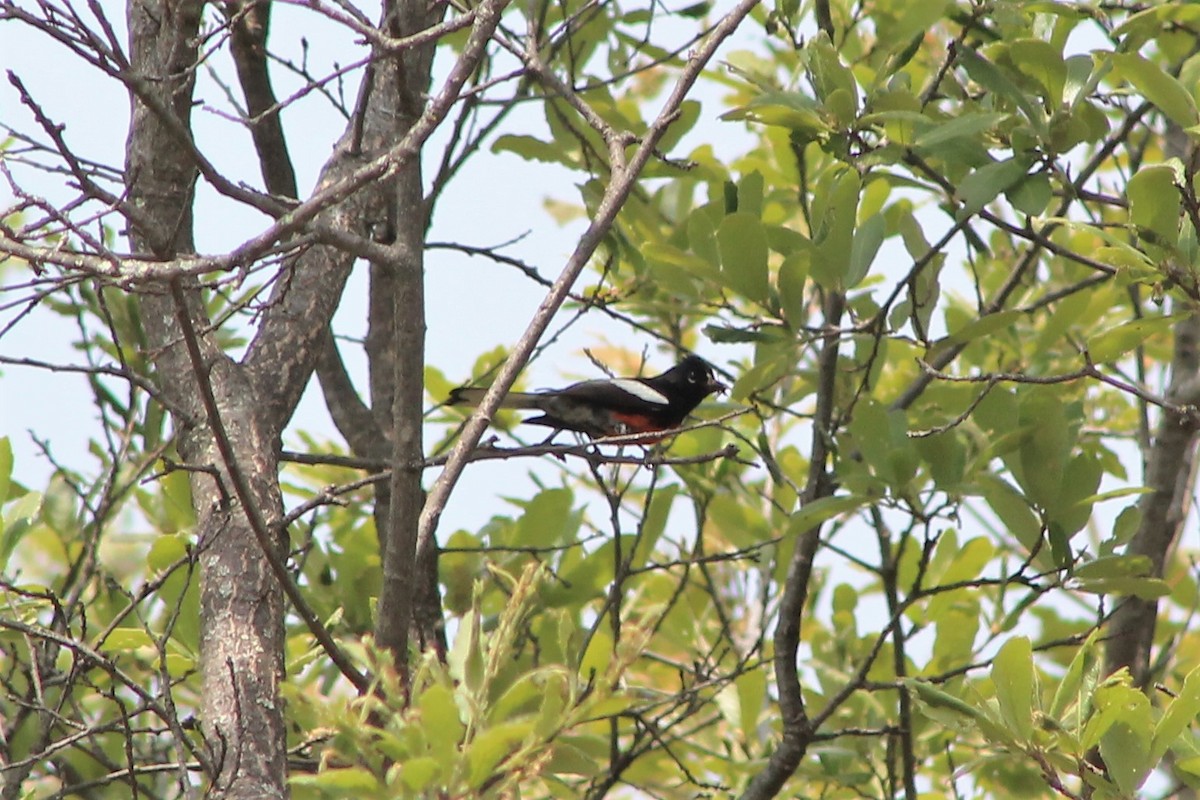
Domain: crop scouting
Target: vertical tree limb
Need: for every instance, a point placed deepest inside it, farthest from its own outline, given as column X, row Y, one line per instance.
column 1170, row 475
column 1170, row 471
column 397, row 335
column 241, row 602
column 797, row 729
column 251, row 21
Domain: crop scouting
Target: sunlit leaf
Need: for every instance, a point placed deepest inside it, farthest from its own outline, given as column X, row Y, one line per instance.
column 1159, row 87
column 1113, row 343
column 1043, row 62
column 1012, row 674
column 743, row 245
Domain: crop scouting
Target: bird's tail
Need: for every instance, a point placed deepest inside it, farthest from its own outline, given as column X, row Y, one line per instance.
column 471, row 395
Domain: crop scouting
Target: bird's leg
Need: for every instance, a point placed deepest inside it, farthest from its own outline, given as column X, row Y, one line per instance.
column 651, row 450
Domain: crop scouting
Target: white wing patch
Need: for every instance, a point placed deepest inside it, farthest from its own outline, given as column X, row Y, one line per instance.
column 641, row 391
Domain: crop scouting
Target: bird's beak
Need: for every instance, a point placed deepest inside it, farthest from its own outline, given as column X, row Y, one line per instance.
column 715, row 385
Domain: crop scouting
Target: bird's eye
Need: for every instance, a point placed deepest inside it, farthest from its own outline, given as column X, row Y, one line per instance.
column 693, row 378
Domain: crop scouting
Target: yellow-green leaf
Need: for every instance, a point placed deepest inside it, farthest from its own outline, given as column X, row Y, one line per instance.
column 1012, row 674
column 1116, row 342
column 742, row 241
column 1158, row 86
column 491, row 747
column 1154, row 204
column 818, row 511
column 1043, row 62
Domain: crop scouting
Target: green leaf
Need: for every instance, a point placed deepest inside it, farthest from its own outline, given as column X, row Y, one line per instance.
column 1083, row 669
column 750, row 193
column 569, row 759
column 827, row 73
column 822, row 509
column 914, row 19
column 902, row 126
column 127, row 639
column 790, row 110
column 702, row 237
column 1043, row 62
column 176, row 497
column 742, row 241
column 1032, row 195
column 554, row 701
column 179, row 665
column 166, row 550
column 491, row 747
column 1126, row 757
column 1012, row 509
column 419, row 773
column 793, row 274
column 881, row 434
column 988, row 75
column 1114, row 494
column 946, row 458
column 6, row 464
column 931, row 695
column 1182, row 711
column 1045, row 447
column 1126, row 258
column 1060, row 545
column 1124, row 717
column 653, row 523
column 957, row 622
column 983, row 326
column 836, row 206
column 341, row 780
column 690, row 262
column 548, row 520
column 581, row 578
column 443, row 727
column 986, row 183
column 867, row 239
column 16, row 521
column 938, row 699
column 722, row 334
column 1124, row 527
column 1158, row 86
column 466, row 659
column 1154, row 204
column 522, row 697
column 598, row 655
column 1106, row 708
column 1123, row 566
column 967, row 126
column 1116, row 342
column 970, row 561
column 1012, row 674
column 529, row 148
column 1145, row 588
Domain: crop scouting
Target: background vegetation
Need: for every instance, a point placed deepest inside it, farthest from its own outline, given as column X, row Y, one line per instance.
column 926, row 545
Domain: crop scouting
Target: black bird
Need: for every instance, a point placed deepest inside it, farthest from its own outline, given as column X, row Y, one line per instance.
column 613, row 406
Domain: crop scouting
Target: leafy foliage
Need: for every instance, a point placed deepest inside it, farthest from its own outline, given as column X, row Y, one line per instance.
column 948, row 275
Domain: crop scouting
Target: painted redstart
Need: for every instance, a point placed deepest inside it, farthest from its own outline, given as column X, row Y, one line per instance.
column 613, row 406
